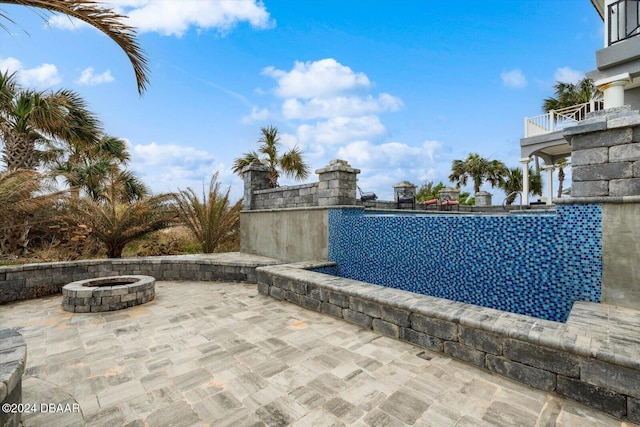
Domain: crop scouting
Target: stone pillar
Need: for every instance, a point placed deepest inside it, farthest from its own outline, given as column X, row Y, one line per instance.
column 525, row 180
column 613, row 89
column 549, row 169
column 483, row 198
column 452, row 193
column 338, row 182
column 403, row 189
column 256, row 177
column 605, row 154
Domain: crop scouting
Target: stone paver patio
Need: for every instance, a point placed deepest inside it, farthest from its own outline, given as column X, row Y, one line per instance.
column 220, row 354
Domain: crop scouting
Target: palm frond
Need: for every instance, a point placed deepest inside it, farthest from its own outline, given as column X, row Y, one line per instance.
column 107, row 21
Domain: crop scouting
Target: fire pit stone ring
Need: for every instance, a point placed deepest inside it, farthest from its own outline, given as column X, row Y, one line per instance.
column 107, row 293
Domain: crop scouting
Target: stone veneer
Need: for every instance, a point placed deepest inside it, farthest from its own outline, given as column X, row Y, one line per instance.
column 108, row 294
column 13, row 359
column 551, row 356
column 605, row 154
column 37, row 280
column 336, row 186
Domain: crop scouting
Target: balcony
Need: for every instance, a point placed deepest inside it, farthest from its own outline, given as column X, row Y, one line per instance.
column 623, row 20
column 556, row 120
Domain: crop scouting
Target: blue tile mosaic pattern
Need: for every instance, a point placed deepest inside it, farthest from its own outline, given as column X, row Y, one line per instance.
column 532, row 264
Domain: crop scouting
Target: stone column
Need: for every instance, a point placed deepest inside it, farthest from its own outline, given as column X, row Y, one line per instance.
column 338, row 182
column 483, row 198
column 256, row 177
column 525, row 180
column 404, row 188
column 549, row 169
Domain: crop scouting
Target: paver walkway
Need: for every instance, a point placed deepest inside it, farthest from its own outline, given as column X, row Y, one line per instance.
column 220, row 354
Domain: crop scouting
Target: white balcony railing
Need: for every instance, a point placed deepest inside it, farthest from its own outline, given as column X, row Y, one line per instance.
column 556, row 120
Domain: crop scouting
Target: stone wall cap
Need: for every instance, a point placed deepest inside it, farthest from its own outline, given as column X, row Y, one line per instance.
column 255, row 166
column 338, row 165
column 404, row 184
column 593, row 200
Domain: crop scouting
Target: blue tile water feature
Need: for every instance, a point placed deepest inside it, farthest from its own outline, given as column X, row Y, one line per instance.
column 532, row 264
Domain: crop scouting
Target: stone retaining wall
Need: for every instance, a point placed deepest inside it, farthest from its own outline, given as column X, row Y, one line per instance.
column 540, row 353
column 13, row 359
column 37, row 280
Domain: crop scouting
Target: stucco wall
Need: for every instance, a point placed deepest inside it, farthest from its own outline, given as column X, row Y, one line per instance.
column 621, row 249
column 286, row 234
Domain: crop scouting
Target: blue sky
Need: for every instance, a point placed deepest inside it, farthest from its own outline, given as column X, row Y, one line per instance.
column 398, row 88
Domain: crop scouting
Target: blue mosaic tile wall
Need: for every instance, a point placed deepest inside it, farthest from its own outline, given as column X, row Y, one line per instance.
column 531, row 264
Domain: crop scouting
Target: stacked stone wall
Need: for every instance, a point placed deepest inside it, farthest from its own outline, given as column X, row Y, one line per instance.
column 540, row 353
column 605, row 155
column 298, row 196
column 38, row 280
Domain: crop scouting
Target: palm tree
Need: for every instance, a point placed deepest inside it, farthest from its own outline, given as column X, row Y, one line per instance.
column 31, row 118
column 213, row 220
column 478, row 169
column 290, row 163
column 569, row 94
column 94, row 167
column 105, row 20
column 561, row 164
column 116, row 223
column 19, row 202
column 512, row 182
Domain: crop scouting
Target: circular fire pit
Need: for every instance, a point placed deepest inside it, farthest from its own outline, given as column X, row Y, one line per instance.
column 108, row 293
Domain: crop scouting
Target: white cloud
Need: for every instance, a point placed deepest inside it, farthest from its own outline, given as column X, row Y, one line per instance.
column 66, row 22
column 340, row 130
column 384, row 165
column 257, row 115
column 88, row 78
column 567, row 75
column 42, row 76
column 513, row 79
column 172, row 166
column 176, row 17
column 322, row 78
column 339, row 106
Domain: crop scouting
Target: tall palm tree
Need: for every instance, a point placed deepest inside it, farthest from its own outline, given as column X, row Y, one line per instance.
column 569, row 94
column 213, row 220
column 290, row 163
column 512, row 182
column 94, row 167
column 30, row 118
column 478, row 169
column 106, row 20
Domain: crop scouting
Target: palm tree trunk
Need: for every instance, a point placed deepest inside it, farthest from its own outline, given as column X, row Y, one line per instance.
column 19, row 152
column 560, row 181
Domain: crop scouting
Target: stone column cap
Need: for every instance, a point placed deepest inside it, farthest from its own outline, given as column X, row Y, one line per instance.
column 255, row 166
column 404, row 184
column 337, row 165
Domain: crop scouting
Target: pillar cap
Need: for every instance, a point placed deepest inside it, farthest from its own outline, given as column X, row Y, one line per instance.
column 338, row 165
column 255, row 166
column 623, row 78
column 525, row 160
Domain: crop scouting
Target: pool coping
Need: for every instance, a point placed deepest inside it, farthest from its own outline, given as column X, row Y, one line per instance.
column 569, row 358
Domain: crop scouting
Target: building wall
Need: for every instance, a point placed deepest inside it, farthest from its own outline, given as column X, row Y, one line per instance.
column 286, row 234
